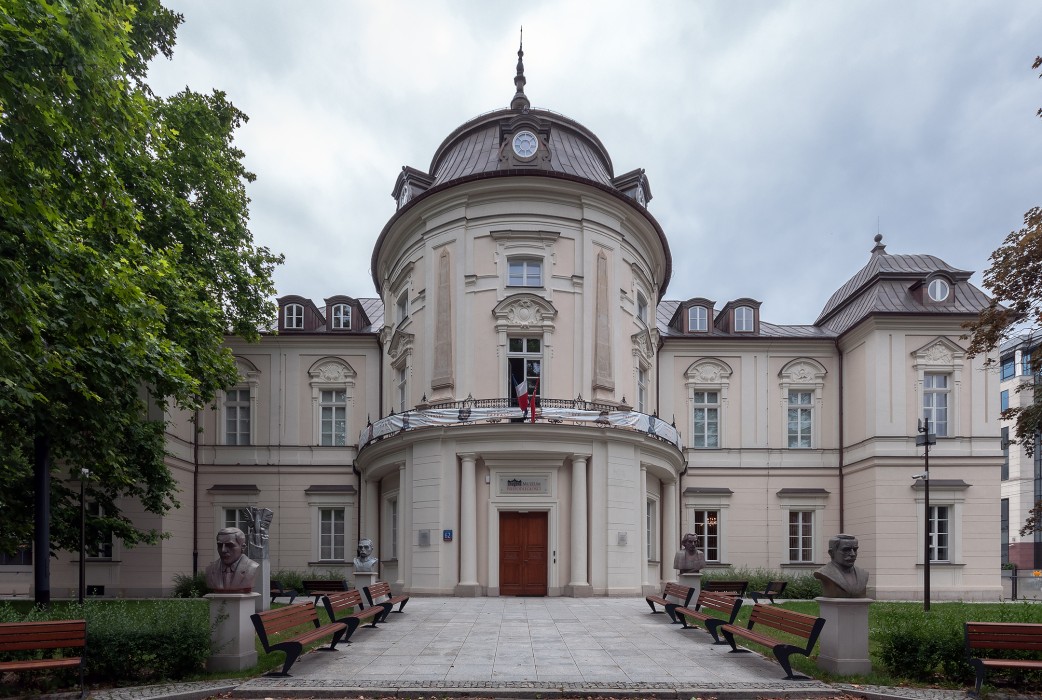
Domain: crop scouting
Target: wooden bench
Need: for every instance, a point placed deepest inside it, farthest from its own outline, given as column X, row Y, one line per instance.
column 1007, row 636
column 806, row 627
column 737, row 588
column 672, row 590
column 322, row 586
column 337, row 603
column 37, row 636
column 278, row 591
column 774, row 588
column 381, row 589
column 271, row 622
column 708, row 600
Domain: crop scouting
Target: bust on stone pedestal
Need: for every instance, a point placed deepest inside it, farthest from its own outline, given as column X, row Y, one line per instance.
column 840, row 578
column 364, row 559
column 233, row 572
column 689, row 560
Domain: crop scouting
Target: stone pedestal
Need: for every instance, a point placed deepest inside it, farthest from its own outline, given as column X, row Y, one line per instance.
column 233, row 634
column 844, row 639
column 363, row 579
column 691, row 581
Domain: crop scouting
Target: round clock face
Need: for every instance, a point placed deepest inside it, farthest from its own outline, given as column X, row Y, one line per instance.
column 525, row 144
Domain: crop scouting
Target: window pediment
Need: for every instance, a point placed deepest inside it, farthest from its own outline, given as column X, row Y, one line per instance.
column 708, row 372
column 401, row 343
column 940, row 353
column 331, row 371
column 803, row 371
column 524, row 311
column 644, row 344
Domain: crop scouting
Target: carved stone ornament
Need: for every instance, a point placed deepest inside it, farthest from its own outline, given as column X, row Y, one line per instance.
column 332, row 373
column 709, row 374
column 523, row 313
column 803, row 372
column 939, row 354
column 642, row 344
column 400, row 343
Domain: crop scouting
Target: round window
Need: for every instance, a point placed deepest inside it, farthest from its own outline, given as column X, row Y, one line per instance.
column 938, row 290
column 525, row 144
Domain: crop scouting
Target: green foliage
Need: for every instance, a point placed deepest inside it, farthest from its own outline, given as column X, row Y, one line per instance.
column 291, row 579
column 800, row 586
column 124, row 259
column 134, row 642
column 929, row 646
column 190, row 586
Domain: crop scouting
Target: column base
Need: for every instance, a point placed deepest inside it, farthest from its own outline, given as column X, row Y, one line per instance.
column 467, row 590
column 843, row 644
column 579, row 590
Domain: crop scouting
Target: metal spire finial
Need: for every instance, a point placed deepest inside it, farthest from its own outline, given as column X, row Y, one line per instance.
column 520, row 100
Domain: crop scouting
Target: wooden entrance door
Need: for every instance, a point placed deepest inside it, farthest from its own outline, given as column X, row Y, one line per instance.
column 522, row 553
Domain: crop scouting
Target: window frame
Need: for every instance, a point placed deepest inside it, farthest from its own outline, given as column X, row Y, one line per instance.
column 651, row 520
column 520, row 367
column 939, row 356
column 743, row 314
column 708, row 406
column 331, row 402
column 331, row 374
column 340, row 316
column 401, row 307
column 322, row 535
column 709, row 374
column 234, row 408
column 293, row 316
column 99, row 543
column 643, row 374
column 802, row 375
column 950, row 494
column 709, row 537
column 642, row 308
column 796, row 429
column 932, row 397
column 939, row 534
column 698, row 323
column 937, row 281
column 529, row 274
column 249, row 377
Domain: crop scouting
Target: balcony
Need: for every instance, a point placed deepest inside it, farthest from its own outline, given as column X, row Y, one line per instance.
column 552, row 411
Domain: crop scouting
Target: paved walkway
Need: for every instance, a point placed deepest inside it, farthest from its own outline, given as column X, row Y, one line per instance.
column 527, row 648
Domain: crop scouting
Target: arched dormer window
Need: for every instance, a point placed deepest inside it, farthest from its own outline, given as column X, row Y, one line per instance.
column 697, row 319
column 340, row 317
column 293, row 316
column 744, row 319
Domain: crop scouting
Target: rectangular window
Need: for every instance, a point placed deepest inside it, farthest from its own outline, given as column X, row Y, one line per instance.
column 642, row 390
column 333, row 412
column 697, row 319
column 1025, row 364
column 935, row 402
column 707, row 530
column 99, row 535
column 1008, row 368
column 801, row 535
column 23, row 557
column 332, row 534
column 800, row 418
column 524, row 366
column 524, row 272
column 401, row 387
column 642, row 309
column 939, row 533
column 1004, row 400
column 707, row 419
column 651, row 528
column 1005, row 454
column 234, row 517
column 402, row 307
column 237, row 417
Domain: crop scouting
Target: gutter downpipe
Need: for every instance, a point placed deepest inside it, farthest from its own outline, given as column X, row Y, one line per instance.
column 842, row 501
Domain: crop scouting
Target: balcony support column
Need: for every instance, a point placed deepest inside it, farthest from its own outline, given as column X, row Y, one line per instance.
column 579, row 585
column 468, row 529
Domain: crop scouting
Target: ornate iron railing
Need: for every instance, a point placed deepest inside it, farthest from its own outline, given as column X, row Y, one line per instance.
column 546, row 410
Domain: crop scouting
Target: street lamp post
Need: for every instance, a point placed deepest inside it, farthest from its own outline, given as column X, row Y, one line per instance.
column 84, row 475
column 926, row 439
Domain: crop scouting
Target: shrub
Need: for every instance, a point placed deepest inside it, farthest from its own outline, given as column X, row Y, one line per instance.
column 135, row 642
column 800, row 586
column 190, row 585
column 289, row 579
column 327, row 575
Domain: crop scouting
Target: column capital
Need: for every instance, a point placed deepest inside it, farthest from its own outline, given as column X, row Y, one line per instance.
column 583, row 456
column 467, row 455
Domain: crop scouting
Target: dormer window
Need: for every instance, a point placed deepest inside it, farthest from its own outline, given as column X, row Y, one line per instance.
column 525, row 272
column 341, row 316
column 938, row 290
column 697, row 319
column 642, row 309
column 293, row 316
column 743, row 319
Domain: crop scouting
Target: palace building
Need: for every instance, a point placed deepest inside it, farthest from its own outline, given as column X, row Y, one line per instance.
column 521, row 409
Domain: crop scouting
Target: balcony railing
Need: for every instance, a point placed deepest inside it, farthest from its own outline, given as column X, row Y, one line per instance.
column 554, row 411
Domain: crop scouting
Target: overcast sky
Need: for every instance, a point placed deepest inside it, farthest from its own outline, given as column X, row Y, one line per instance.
column 776, row 136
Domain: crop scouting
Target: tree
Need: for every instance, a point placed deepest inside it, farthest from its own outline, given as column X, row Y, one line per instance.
column 1014, row 278
column 125, row 257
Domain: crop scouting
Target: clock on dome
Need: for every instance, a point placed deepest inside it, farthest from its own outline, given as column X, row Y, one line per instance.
column 525, row 144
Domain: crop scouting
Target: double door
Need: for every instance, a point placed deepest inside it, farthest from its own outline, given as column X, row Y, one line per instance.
column 523, row 544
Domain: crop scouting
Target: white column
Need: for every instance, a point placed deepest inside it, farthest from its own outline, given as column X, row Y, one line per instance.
column 404, row 524
column 642, row 524
column 668, row 543
column 468, row 526
column 580, row 563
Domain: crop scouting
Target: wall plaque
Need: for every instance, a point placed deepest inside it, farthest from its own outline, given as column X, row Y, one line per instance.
column 524, row 485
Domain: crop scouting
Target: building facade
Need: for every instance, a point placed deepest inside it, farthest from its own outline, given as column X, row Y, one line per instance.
column 1021, row 472
column 519, row 269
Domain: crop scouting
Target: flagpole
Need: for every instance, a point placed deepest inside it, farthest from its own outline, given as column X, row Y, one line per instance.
column 531, row 399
